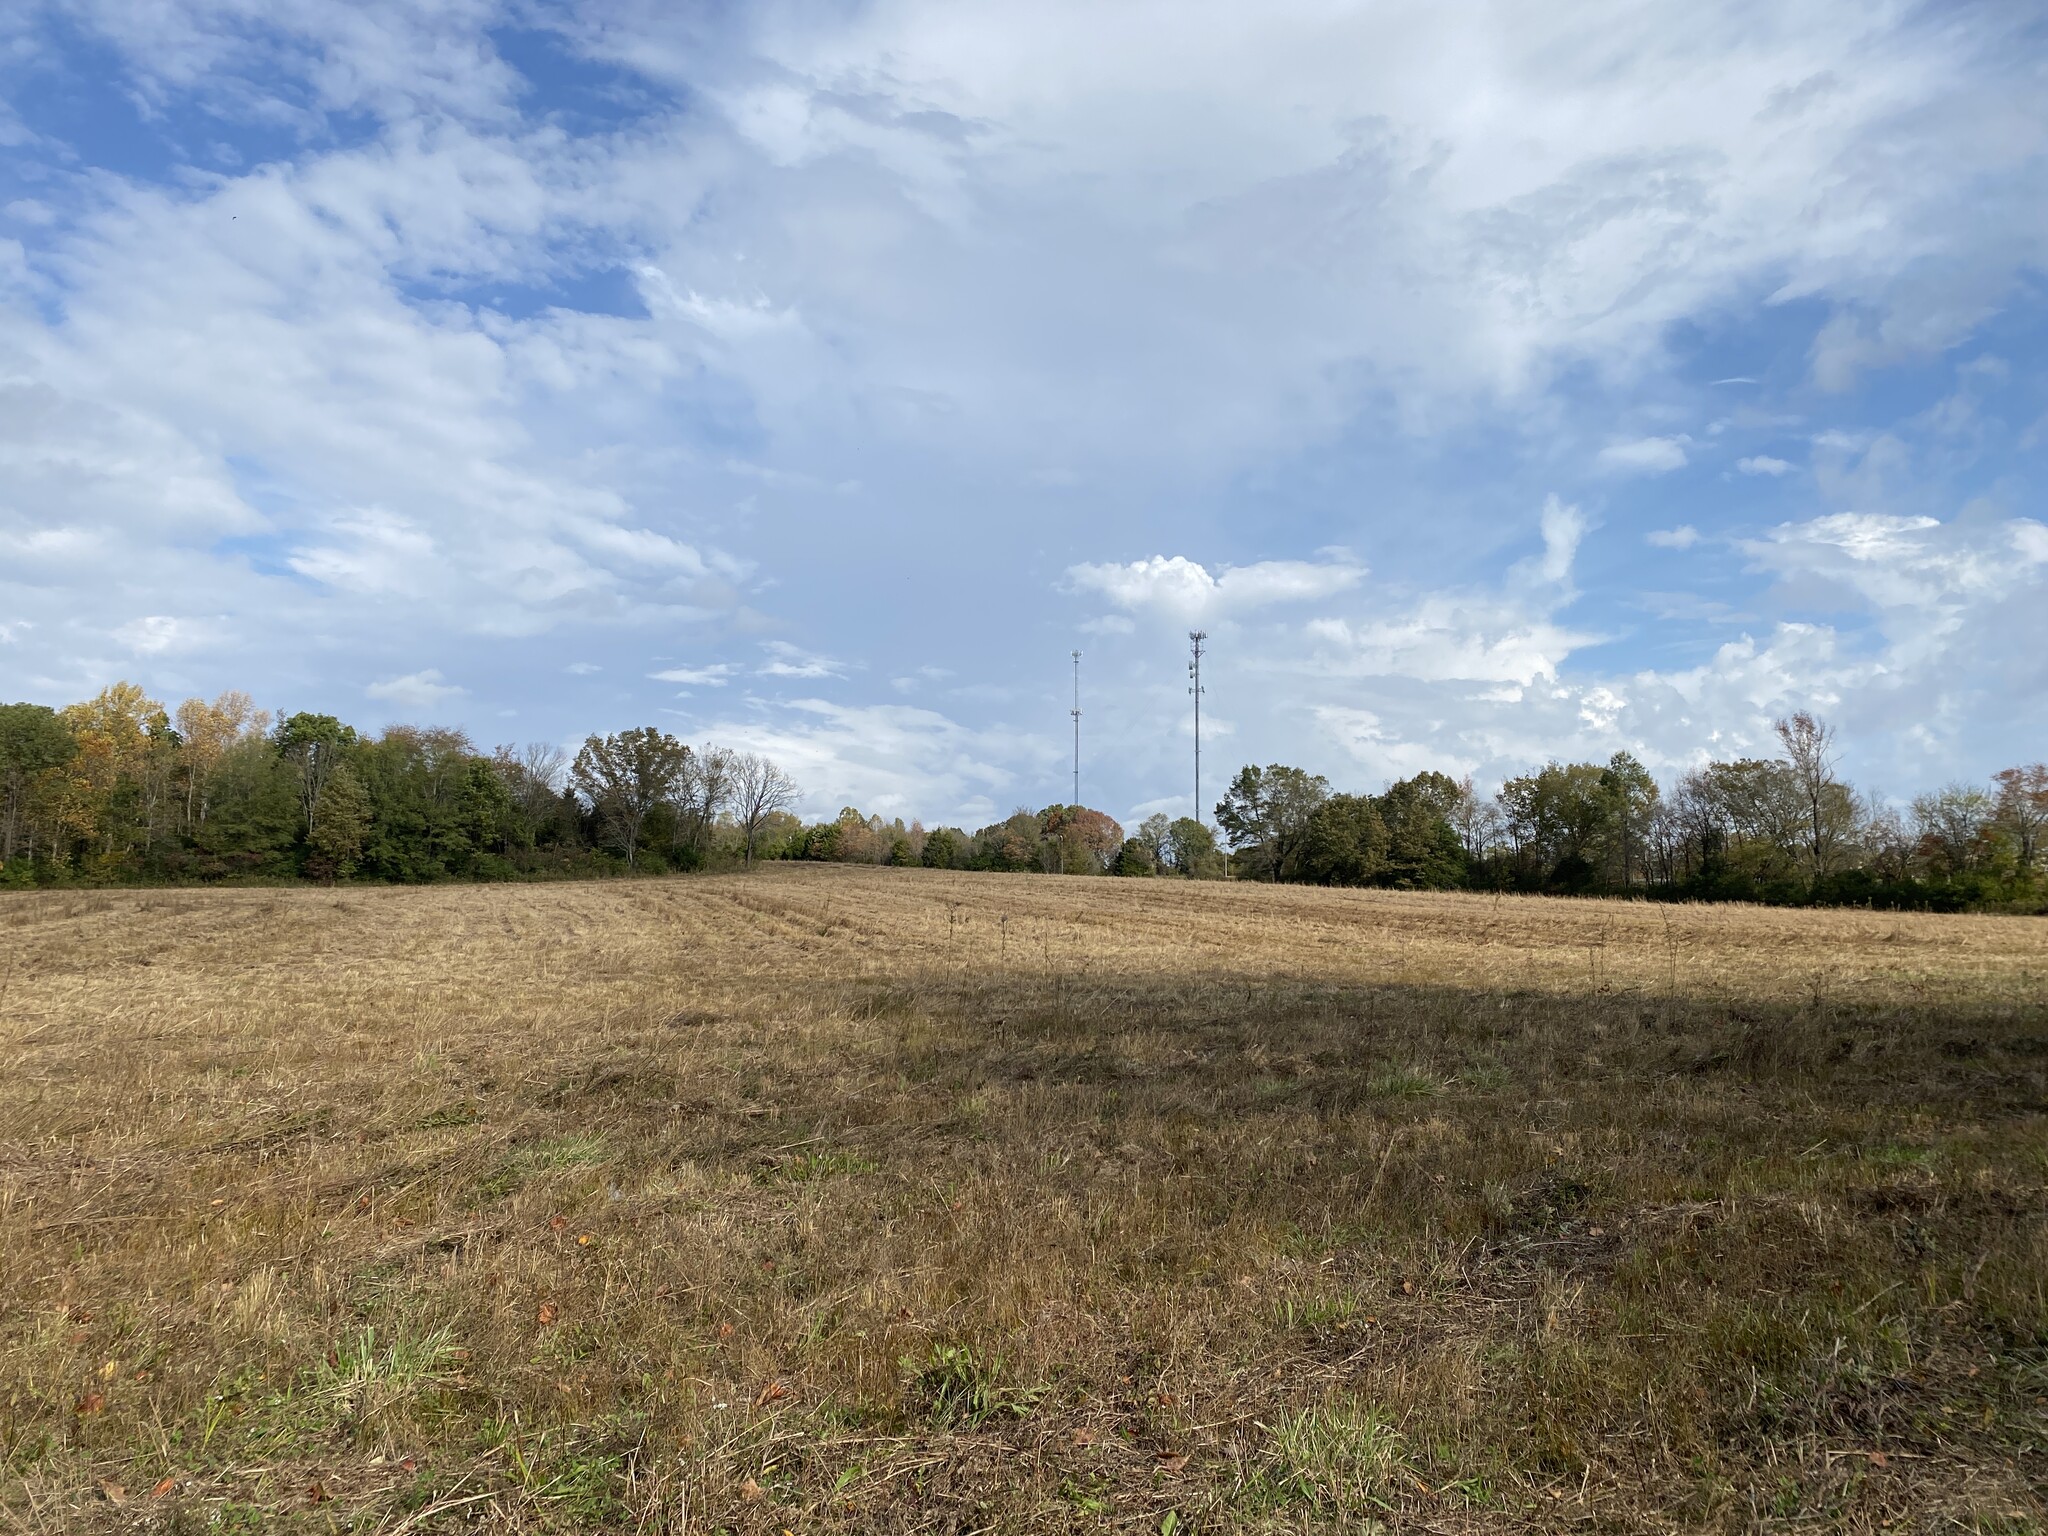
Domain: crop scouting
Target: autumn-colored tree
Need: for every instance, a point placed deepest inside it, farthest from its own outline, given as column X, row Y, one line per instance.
column 104, row 789
column 1078, row 841
column 206, row 731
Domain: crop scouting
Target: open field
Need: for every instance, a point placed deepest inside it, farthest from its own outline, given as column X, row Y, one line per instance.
column 875, row 1200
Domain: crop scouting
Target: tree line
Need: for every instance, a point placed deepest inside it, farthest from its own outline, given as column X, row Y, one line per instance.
column 1784, row 829
column 119, row 788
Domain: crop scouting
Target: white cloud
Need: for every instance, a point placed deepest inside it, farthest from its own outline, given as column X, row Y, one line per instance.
column 1180, row 587
column 787, row 660
column 157, row 633
column 416, row 690
column 892, row 759
column 1645, row 456
column 1684, row 536
column 714, row 676
column 1763, row 464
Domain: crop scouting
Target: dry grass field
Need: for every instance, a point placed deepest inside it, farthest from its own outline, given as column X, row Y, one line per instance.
column 833, row 1199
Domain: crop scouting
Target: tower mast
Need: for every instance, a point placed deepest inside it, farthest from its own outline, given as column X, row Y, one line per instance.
column 1195, row 639
column 1076, row 712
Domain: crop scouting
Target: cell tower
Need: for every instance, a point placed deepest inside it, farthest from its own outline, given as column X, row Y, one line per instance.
column 1195, row 639
column 1076, row 712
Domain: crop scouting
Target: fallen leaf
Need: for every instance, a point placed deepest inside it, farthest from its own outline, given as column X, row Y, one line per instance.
column 409, row 1465
column 92, row 1402
column 557, row 1223
column 774, row 1392
column 750, row 1490
column 166, row 1484
column 725, row 1330
column 1407, row 1287
column 768, row 1265
column 1170, row 1462
column 585, row 1239
column 548, row 1313
column 1084, row 1437
column 317, row 1494
column 109, row 1371
column 1879, row 1459
column 362, row 1205
column 333, row 1359
column 80, row 1335
column 1596, row 1232
column 115, row 1493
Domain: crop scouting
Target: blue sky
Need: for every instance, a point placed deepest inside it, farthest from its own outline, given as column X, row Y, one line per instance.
column 1492, row 382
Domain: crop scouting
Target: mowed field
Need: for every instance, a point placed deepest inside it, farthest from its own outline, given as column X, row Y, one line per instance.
column 835, row 1199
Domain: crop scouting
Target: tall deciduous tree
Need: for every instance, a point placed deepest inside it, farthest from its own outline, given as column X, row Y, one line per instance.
column 1265, row 814
column 760, row 789
column 1631, row 802
column 1828, row 814
column 207, row 731
column 625, row 776
column 33, row 742
column 314, row 746
column 2022, row 813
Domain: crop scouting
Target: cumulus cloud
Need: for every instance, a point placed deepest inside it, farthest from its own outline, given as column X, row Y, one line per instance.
column 416, row 690
column 821, row 320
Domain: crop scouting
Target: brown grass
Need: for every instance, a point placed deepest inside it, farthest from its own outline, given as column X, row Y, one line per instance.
column 872, row 1200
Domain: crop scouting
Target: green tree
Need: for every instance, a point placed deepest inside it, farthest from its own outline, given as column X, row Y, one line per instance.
column 1555, row 818
column 1631, row 801
column 1192, row 847
column 941, row 849
column 314, row 746
column 1264, row 815
column 33, row 742
column 1135, row 858
column 341, row 818
column 1156, row 833
column 1423, row 849
column 625, row 776
column 1345, row 843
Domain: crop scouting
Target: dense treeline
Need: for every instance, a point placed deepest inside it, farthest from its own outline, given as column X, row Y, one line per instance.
column 119, row 788
column 1784, row 829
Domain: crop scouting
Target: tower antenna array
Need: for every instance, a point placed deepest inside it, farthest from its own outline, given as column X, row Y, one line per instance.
column 1195, row 639
column 1076, row 712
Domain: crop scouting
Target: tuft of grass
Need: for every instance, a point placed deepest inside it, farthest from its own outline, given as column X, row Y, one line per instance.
column 1339, row 1457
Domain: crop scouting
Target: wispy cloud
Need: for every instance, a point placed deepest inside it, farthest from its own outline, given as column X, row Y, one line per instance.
column 1645, row 456
column 1183, row 588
